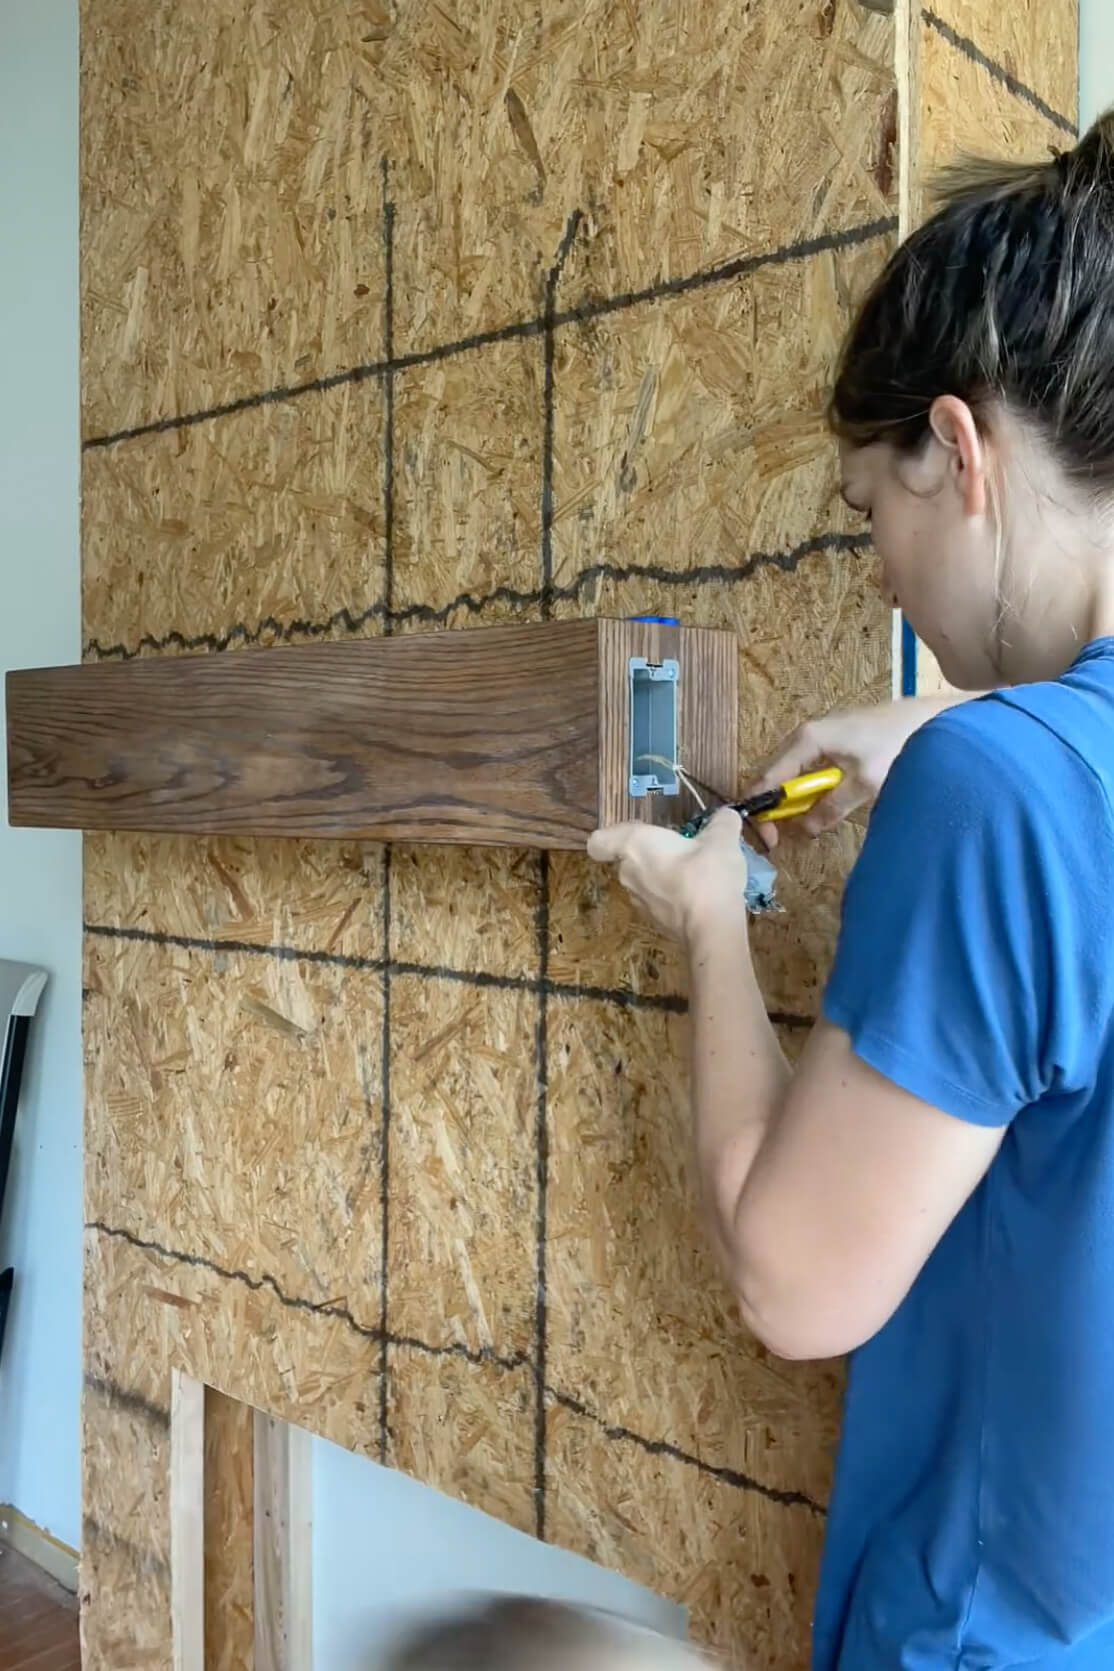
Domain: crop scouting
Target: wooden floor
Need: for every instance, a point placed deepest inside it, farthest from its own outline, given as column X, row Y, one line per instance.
column 38, row 1619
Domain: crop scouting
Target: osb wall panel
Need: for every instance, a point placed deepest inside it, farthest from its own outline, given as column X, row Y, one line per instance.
column 233, row 193
column 1027, row 46
column 968, row 108
column 398, row 318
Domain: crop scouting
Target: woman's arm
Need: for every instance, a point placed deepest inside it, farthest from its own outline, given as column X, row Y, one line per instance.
column 853, row 1186
column 740, row 1078
column 824, row 1189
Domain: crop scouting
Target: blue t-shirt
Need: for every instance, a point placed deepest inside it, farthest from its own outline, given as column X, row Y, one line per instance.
column 972, row 1521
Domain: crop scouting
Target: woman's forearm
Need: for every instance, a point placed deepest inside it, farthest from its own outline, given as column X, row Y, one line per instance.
column 739, row 1074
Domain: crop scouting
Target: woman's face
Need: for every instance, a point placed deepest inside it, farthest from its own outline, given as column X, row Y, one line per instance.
column 937, row 550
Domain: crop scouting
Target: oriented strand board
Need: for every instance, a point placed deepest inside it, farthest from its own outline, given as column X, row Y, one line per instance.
column 241, row 1113
column 692, row 436
column 233, row 217
column 315, row 1066
column 684, row 443
column 463, row 1168
column 746, row 1567
column 597, row 937
column 125, row 1437
column 685, row 137
column 303, row 1358
column 215, row 536
column 468, row 908
column 966, row 111
column 970, row 98
column 134, row 1631
column 619, row 1165
column 310, row 896
column 466, row 1426
column 468, row 438
column 1028, row 42
column 231, row 200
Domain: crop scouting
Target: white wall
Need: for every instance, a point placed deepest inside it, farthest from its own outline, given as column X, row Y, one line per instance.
column 1096, row 58
column 386, row 1548
column 40, row 872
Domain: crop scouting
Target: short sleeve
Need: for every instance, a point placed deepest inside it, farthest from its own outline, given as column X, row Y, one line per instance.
column 951, row 922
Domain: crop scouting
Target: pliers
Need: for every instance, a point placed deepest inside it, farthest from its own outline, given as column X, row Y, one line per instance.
column 789, row 800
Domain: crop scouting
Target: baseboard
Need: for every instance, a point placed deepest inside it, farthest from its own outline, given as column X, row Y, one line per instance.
column 47, row 1552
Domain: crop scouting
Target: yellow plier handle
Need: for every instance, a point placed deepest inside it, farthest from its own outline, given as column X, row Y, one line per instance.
column 792, row 799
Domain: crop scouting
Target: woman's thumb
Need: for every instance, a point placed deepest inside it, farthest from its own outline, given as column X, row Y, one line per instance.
column 724, row 827
column 799, row 753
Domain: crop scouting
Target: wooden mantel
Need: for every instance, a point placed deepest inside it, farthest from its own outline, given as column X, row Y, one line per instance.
column 512, row 735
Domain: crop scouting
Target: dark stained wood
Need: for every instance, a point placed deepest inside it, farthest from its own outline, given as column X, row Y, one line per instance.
column 707, row 714
column 510, row 736
column 38, row 1619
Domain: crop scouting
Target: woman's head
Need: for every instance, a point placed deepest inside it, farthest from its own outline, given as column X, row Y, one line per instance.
column 974, row 404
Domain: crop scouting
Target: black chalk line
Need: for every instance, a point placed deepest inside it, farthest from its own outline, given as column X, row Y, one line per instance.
column 471, row 603
column 508, row 1362
column 668, row 1003
column 582, row 313
column 1019, row 89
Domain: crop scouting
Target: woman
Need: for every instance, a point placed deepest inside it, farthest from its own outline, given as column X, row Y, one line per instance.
column 933, row 1187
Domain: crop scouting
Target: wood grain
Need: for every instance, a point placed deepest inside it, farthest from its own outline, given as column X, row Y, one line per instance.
column 504, row 736
column 229, row 1567
column 38, row 1618
column 283, row 1546
column 707, row 714
column 187, row 1521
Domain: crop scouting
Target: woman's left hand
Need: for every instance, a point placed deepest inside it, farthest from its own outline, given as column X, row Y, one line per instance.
column 684, row 883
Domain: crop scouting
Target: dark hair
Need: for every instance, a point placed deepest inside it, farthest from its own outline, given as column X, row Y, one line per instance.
column 522, row 1633
column 503, row 1633
column 1006, row 294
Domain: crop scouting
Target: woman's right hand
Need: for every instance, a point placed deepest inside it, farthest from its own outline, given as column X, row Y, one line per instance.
column 862, row 742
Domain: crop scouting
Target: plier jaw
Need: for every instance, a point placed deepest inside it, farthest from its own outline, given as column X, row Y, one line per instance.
column 788, row 800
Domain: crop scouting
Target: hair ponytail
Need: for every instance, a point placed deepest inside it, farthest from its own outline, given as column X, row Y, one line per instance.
column 1006, row 294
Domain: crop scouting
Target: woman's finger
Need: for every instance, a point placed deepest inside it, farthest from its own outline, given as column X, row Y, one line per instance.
column 823, row 817
column 831, row 809
column 799, row 753
column 722, row 829
column 631, row 883
column 607, row 845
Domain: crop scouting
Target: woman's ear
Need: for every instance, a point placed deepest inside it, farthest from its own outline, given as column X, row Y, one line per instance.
column 954, row 428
